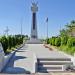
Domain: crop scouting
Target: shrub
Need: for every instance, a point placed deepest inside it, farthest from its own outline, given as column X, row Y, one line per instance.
column 53, row 41
column 57, row 41
column 4, row 42
column 9, row 38
column 71, row 42
column 64, row 40
column 48, row 41
column 72, row 50
column 10, row 41
column 13, row 41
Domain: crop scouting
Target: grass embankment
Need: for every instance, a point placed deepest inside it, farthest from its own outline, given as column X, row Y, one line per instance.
column 64, row 44
column 65, row 41
column 68, row 50
column 12, row 49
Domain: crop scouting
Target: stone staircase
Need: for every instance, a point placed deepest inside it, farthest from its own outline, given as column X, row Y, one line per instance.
column 52, row 64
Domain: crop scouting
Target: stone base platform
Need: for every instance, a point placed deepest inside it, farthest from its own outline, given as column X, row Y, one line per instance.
column 34, row 41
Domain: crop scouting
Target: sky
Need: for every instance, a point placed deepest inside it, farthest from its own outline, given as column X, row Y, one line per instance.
column 13, row 12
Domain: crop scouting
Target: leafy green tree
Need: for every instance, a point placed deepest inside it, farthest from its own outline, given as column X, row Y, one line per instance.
column 71, row 28
column 63, row 33
column 73, row 22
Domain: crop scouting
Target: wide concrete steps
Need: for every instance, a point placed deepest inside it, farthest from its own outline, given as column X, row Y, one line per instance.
column 47, row 70
column 52, row 64
column 55, row 62
column 50, row 67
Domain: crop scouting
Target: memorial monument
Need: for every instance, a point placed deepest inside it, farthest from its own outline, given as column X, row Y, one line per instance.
column 34, row 35
column 34, row 9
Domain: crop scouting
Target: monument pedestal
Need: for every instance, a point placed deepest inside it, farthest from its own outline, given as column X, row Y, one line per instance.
column 34, row 37
column 34, row 41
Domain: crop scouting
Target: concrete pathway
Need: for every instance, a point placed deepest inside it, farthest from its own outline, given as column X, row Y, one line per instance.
column 42, row 52
column 23, row 60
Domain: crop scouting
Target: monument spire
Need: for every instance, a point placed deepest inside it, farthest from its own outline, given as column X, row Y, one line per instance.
column 34, row 35
column 34, row 9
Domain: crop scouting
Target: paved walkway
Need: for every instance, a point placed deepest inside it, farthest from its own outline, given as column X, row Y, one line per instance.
column 70, row 73
column 42, row 52
column 22, row 61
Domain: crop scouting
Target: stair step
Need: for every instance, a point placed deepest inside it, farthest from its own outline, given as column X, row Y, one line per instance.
column 51, row 66
column 48, row 70
column 54, row 62
column 54, row 59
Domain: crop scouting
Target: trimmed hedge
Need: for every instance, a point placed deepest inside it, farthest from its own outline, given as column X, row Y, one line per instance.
column 66, row 44
column 4, row 42
column 11, row 41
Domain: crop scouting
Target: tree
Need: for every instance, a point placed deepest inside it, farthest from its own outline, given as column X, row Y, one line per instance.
column 71, row 28
column 63, row 32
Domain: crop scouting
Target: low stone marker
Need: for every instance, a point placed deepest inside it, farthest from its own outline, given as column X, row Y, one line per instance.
column 1, row 57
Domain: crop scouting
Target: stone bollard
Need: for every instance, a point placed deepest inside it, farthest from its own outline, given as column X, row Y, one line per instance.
column 1, row 57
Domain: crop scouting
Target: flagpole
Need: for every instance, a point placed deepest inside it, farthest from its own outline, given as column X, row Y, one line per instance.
column 47, row 28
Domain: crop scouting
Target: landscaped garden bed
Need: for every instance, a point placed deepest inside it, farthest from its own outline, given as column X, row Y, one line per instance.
column 66, row 40
column 10, row 43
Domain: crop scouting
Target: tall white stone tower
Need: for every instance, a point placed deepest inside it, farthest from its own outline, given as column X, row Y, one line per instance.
column 34, row 35
column 34, row 9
